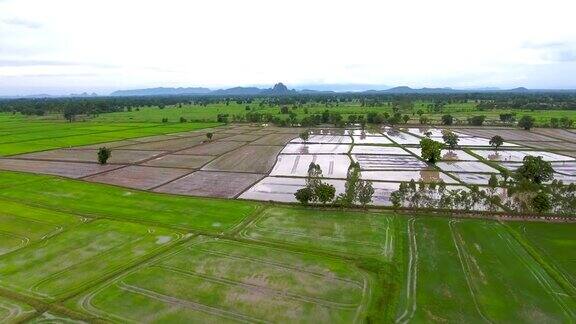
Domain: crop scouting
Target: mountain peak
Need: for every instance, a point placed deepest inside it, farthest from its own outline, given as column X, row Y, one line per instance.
column 280, row 88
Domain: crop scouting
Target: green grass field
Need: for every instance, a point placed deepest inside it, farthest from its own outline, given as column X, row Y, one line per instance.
column 71, row 250
column 27, row 134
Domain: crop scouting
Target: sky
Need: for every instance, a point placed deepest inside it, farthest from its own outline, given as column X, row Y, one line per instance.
column 72, row 46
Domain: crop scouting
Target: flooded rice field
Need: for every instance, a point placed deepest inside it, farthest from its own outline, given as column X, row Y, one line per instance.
column 325, row 139
column 447, row 155
column 316, row 149
column 465, row 166
column 333, row 166
column 371, row 140
column 379, row 150
column 518, row 156
column 389, row 162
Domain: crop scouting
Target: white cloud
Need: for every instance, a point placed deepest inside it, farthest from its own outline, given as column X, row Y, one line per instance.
column 217, row 43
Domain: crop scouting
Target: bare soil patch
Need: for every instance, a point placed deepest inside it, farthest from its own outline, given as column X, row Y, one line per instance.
column 250, row 158
column 243, row 138
column 65, row 169
column 275, row 139
column 557, row 133
column 180, row 161
column 169, row 145
column 213, row 148
column 138, row 177
column 211, row 184
column 550, row 145
column 108, row 144
column 118, row 156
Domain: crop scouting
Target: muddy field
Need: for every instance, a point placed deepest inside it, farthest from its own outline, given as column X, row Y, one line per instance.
column 211, row 184
column 139, row 177
column 250, row 158
column 65, row 169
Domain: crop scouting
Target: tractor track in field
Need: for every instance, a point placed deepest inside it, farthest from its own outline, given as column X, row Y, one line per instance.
column 466, row 266
column 189, row 304
column 412, row 276
column 538, row 273
column 261, row 289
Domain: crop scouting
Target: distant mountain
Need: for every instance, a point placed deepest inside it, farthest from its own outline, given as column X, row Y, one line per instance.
column 161, row 92
column 519, row 89
column 238, row 91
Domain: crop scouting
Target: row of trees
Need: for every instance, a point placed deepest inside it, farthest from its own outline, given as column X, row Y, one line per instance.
column 356, row 190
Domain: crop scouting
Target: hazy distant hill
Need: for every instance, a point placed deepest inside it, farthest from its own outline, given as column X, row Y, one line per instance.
column 161, row 92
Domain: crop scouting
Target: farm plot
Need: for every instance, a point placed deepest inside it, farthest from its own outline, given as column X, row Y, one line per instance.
column 211, row 184
column 23, row 225
column 402, row 138
column 506, row 133
column 139, row 177
column 250, row 158
column 68, row 262
column 518, row 156
column 555, row 242
column 221, row 281
column 316, row 149
column 379, row 150
column 551, row 145
column 474, row 141
column 397, row 176
column 13, row 311
column 180, row 161
column 463, row 166
column 508, row 285
column 275, row 139
column 118, row 156
column 282, row 189
column 434, row 132
column 447, row 155
column 243, row 138
column 388, row 162
column 347, row 233
column 362, row 132
column 475, row 178
column 111, row 145
column 557, row 133
column 65, row 169
column 98, row 200
column 371, row 140
column 325, row 139
column 435, row 285
column 168, row 145
column 333, row 166
column 213, row 148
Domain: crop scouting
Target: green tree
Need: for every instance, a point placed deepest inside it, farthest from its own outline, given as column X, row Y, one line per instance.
column 304, row 136
column 431, row 150
column 349, row 195
column 447, row 119
column 209, row 136
column 451, row 139
column 365, row 192
column 304, row 195
column 496, row 141
column 535, row 170
column 526, row 122
column 325, row 192
column 541, row 203
column 104, row 154
column 476, row 120
column 405, row 119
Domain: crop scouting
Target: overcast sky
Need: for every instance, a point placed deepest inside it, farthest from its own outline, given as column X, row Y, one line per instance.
column 63, row 46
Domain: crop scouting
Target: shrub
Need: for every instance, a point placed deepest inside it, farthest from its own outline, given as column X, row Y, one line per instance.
column 104, row 154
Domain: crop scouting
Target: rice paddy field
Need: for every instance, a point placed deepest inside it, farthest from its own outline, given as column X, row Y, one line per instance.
column 178, row 228
column 186, row 259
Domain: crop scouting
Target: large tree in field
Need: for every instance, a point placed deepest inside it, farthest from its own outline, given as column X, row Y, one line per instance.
column 496, row 141
column 526, row 122
column 431, row 150
column 535, row 170
column 450, row 139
